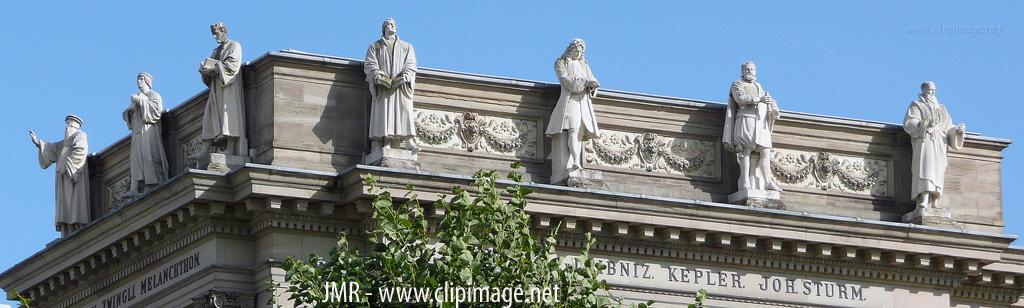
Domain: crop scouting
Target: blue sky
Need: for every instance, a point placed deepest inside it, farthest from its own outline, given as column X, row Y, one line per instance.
column 851, row 59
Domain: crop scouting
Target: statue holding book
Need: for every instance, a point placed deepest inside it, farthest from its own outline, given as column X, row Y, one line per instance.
column 390, row 69
column 224, row 116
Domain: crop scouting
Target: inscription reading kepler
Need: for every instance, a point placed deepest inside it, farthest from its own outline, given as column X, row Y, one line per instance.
column 701, row 278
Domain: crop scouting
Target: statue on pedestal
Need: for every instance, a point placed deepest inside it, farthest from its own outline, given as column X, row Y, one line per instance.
column 72, row 183
column 749, row 121
column 932, row 133
column 572, row 121
column 390, row 69
column 224, row 116
column 147, row 163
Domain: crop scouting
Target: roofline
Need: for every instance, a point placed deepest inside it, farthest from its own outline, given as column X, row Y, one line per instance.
column 308, row 56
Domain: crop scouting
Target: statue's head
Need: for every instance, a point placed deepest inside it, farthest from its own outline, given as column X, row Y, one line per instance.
column 928, row 88
column 389, row 27
column 72, row 124
column 575, row 50
column 220, row 32
column 748, row 71
column 145, row 81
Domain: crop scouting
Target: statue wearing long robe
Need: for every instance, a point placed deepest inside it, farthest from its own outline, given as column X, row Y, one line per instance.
column 224, row 115
column 147, row 163
column 391, row 110
column 72, row 181
column 574, row 108
column 932, row 132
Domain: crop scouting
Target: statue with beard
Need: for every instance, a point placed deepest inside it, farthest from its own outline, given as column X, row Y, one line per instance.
column 72, row 185
column 224, row 116
column 932, row 133
column 749, row 121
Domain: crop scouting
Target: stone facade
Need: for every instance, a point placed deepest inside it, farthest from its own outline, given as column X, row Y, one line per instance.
column 211, row 239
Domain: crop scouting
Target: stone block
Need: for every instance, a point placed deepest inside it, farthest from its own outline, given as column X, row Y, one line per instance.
column 769, row 199
column 394, row 158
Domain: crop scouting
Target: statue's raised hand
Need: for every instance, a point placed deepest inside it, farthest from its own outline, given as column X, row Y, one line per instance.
column 35, row 140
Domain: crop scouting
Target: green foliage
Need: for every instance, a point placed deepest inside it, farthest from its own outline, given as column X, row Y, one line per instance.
column 700, row 300
column 24, row 301
column 483, row 239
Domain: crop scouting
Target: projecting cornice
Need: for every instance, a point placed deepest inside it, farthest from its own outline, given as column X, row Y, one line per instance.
column 257, row 197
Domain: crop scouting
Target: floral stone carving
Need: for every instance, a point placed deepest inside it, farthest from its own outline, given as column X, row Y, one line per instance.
column 119, row 192
column 827, row 171
column 652, row 152
column 189, row 149
column 474, row 132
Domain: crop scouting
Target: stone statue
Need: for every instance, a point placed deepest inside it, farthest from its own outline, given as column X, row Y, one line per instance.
column 148, row 164
column 391, row 74
column 224, row 116
column 932, row 132
column 573, row 120
column 72, row 188
column 749, row 121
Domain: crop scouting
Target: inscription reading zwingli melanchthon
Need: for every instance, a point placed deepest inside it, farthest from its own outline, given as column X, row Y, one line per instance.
column 148, row 284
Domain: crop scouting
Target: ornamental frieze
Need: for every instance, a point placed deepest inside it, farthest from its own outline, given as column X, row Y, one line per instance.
column 473, row 132
column 190, row 149
column 832, row 172
column 651, row 152
column 118, row 192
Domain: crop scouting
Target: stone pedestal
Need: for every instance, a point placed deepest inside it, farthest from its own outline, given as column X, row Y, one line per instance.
column 393, row 158
column 222, row 162
column 768, row 199
column 935, row 217
column 580, row 178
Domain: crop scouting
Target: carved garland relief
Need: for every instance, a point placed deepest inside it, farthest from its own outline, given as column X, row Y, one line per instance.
column 471, row 131
column 118, row 191
column 827, row 171
column 653, row 153
column 189, row 148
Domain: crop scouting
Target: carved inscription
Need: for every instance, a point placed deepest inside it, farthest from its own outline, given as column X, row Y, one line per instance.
column 735, row 283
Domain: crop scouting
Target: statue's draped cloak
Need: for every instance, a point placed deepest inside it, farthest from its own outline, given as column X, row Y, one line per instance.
column 147, row 162
column 72, row 181
column 748, row 123
column 930, row 144
column 574, row 108
column 224, row 115
column 391, row 110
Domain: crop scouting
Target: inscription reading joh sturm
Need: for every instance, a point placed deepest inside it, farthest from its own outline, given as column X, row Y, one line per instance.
column 682, row 277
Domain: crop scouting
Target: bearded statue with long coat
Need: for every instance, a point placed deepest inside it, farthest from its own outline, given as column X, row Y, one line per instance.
column 932, row 134
column 71, row 196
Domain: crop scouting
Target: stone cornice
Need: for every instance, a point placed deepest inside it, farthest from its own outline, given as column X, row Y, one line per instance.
column 431, row 184
column 261, row 197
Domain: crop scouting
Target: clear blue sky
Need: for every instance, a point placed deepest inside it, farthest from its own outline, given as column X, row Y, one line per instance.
column 852, row 59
